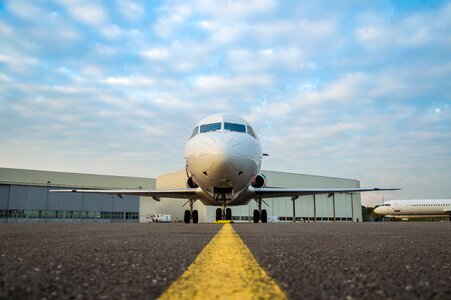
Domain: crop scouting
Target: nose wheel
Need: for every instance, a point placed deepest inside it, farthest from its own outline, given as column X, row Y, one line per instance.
column 220, row 215
column 226, row 212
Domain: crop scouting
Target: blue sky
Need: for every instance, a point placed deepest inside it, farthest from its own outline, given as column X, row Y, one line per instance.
column 357, row 89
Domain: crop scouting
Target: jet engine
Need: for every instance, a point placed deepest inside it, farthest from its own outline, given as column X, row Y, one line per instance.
column 259, row 181
column 190, row 183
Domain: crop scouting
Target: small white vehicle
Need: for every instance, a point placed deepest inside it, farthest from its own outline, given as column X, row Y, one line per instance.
column 159, row 218
column 273, row 219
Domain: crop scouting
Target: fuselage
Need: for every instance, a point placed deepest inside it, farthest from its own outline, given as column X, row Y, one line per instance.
column 223, row 158
column 415, row 208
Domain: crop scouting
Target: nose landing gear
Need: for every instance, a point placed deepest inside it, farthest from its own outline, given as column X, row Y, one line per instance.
column 225, row 213
column 221, row 216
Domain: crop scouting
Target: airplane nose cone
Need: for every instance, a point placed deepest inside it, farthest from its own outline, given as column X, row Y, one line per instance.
column 378, row 210
column 221, row 144
column 223, row 158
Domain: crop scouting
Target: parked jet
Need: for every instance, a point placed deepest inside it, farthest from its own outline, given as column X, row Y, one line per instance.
column 425, row 208
column 223, row 159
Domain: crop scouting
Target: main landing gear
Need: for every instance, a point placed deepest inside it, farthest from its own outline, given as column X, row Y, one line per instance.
column 260, row 214
column 191, row 214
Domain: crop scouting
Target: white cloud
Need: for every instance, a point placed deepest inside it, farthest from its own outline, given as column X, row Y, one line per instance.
column 131, row 10
column 5, row 78
column 158, row 53
column 86, row 12
column 219, row 84
column 370, row 33
column 226, row 33
column 233, row 9
column 303, row 33
column 140, row 85
column 18, row 64
column 130, row 81
column 243, row 60
column 5, row 29
column 105, row 50
column 111, row 31
column 172, row 17
column 91, row 70
column 416, row 30
column 26, row 9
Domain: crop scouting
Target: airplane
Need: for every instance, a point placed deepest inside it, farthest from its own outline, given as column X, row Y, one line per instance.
column 223, row 159
column 424, row 208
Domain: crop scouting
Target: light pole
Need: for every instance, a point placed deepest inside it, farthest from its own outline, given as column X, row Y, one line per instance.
column 47, row 199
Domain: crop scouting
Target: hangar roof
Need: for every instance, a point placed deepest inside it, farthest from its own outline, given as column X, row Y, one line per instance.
column 63, row 179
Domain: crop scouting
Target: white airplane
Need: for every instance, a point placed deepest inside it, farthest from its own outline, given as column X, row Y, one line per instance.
column 223, row 160
column 425, row 208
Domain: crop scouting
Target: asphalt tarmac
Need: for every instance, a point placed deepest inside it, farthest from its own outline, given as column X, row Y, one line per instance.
column 96, row 261
column 400, row 260
column 391, row 260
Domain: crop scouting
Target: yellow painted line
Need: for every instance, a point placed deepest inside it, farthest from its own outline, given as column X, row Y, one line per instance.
column 225, row 269
column 223, row 222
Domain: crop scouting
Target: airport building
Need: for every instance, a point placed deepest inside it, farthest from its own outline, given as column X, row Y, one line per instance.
column 24, row 197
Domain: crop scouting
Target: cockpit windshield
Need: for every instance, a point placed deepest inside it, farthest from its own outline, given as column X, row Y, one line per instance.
column 227, row 126
column 251, row 132
column 210, row 127
column 234, row 127
column 195, row 131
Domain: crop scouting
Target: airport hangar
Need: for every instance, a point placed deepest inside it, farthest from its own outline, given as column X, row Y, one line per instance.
column 24, row 197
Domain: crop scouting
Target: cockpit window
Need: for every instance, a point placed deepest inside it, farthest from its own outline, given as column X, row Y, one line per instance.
column 234, row 127
column 195, row 131
column 210, row 127
column 251, row 132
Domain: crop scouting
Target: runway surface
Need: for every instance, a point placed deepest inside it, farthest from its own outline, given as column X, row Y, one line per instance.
column 400, row 260
column 307, row 260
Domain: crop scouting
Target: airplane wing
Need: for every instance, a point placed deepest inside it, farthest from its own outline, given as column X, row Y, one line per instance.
column 296, row 192
column 155, row 194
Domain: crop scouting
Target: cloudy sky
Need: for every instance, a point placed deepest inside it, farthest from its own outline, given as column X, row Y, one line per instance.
column 356, row 89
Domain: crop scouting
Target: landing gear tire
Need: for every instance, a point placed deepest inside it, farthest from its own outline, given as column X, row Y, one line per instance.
column 218, row 214
column 264, row 216
column 256, row 216
column 195, row 217
column 228, row 214
column 187, row 216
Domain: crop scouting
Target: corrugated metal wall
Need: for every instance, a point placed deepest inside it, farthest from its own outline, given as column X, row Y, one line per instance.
column 22, row 203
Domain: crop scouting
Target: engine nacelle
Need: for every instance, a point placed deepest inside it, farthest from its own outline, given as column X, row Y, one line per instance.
column 259, row 181
column 190, row 183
